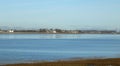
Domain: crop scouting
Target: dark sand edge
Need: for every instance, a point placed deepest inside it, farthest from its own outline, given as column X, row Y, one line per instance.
column 83, row 62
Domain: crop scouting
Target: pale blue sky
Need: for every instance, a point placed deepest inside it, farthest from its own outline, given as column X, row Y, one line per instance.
column 71, row 14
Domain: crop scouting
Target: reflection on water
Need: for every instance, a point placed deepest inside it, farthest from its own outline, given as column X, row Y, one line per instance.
column 59, row 36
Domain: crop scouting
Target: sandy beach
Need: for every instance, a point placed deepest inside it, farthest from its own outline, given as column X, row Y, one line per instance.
column 89, row 62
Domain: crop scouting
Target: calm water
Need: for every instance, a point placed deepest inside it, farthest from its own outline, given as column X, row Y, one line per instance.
column 21, row 48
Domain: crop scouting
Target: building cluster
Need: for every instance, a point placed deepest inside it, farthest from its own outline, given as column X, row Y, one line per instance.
column 10, row 31
column 58, row 31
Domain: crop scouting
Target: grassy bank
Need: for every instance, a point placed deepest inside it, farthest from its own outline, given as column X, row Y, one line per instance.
column 91, row 62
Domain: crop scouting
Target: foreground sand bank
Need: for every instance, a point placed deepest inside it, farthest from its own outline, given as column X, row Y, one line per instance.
column 91, row 62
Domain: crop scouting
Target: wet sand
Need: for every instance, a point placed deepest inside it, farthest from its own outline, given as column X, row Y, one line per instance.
column 88, row 62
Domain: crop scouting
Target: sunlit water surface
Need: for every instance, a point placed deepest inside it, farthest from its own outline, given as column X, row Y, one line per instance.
column 19, row 48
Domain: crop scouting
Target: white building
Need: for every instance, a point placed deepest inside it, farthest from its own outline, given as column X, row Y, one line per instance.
column 54, row 31
column 11, row 31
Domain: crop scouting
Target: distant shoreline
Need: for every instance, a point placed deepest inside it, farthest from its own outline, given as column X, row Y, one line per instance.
column 49, row 33
column 58, row 31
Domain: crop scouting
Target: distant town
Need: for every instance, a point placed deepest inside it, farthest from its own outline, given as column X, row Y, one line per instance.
column 58, row 31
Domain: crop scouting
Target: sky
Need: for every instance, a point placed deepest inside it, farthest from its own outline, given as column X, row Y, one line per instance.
column 65, row 14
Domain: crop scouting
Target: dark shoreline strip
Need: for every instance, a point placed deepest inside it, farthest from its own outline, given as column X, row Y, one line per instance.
column 49, row 33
